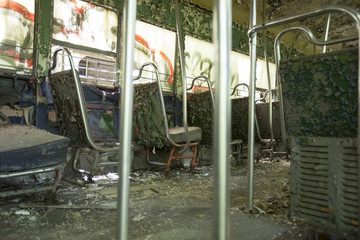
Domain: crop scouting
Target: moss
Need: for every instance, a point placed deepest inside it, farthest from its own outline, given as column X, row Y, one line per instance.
column 201, row 115
column 147, row 116
column 320, row 95
column 43, row 39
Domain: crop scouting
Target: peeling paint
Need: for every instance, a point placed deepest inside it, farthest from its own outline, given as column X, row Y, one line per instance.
column 160, row 13
column 148, row 119
column 201, row 115
column 320, row 95
column 43, row 39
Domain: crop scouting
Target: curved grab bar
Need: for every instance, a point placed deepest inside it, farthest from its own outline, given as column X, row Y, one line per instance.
column 356, row 17
column 269, row 90
column 238, row 85
column 209, row 87
column 313, row 40
column 328, row 9
column 163, row 110
column 82, row 101
column 263, row 98
column 247, row 86
column 352, row 13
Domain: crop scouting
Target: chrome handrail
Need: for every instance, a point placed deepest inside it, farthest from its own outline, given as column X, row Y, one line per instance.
column 183, row 74
column 352, row 13
column 163, row 110
column 82, row 102
column 209, row 87
column 313, row 40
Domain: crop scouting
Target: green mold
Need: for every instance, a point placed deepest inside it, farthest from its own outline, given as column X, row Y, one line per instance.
column 320, row 94
column 148, row 120
column 201, row 115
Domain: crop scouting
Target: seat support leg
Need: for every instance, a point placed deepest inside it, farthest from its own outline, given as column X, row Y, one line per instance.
column 176, row 156
column 168, row 164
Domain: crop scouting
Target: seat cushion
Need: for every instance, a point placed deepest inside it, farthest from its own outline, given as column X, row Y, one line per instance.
column 25, row 147
column 177, row 134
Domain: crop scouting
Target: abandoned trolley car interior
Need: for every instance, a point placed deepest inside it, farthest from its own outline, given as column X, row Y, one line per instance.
column 179, row 119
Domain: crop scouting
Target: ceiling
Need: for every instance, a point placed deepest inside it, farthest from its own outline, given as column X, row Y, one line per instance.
column 340, row 25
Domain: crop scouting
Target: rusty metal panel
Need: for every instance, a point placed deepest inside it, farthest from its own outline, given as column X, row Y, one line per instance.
column 324, row 183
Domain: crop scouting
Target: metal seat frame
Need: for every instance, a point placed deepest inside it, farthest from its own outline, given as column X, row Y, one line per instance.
column 80, row 105
column 175, row 145
column 52, row 188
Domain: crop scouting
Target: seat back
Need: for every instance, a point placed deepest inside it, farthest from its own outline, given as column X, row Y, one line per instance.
column 70, row 105
column 169, row 132
column 67, row 106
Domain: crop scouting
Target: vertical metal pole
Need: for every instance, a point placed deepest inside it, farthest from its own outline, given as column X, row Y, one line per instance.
column 279, row 87
column 36, row 45
column 183, row 73
column 358, row 127
column 126, row 105
column 269, row 82
column 252, row 86
column 119, row 60
column 222, row 114
column 326, row 33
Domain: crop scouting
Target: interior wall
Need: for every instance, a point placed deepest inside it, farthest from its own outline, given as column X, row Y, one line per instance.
column 196, row 22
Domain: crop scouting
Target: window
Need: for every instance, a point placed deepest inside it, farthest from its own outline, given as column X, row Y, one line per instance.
column 90, row 33
column 16, row 35
column 157, row 45
column 199, row 60
column 85, row 24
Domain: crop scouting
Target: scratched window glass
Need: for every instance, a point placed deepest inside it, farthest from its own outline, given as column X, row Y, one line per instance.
column 156, row 45
column 85, row 24
column 16, row 34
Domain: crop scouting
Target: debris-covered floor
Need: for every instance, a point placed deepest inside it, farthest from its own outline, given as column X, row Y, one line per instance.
column 177, row 207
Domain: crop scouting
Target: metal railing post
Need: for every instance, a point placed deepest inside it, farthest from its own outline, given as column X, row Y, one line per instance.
column 222, row 115
column 183, row 74
column 252, row 86
column 125, row 111
column 326, row 35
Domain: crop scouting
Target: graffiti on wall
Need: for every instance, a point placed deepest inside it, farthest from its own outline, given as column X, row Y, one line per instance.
column 85, row 24
column 198, row 65
column 16, row 34
column 156, row 45
column 200, row 60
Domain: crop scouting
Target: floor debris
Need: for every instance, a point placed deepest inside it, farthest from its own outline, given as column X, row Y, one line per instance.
column 178, row 207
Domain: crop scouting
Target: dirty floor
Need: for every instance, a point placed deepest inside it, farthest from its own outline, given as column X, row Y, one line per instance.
column 178, row 207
